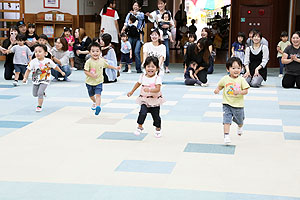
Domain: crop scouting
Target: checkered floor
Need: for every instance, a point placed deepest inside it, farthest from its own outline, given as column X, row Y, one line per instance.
column 66, row 152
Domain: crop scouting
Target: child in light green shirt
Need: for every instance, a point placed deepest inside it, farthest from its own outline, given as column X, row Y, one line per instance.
column 93, row 70
column 280, row 49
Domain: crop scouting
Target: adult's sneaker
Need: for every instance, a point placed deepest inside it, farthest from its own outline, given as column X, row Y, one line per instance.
column 204, row 84
column 227, row 140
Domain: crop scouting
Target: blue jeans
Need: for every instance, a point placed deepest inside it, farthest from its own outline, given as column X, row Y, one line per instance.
column 167, row 61
column 281, row 65
column 136, row 46
column 66, row 69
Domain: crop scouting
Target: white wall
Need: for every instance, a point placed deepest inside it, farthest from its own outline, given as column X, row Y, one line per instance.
column 36, row 6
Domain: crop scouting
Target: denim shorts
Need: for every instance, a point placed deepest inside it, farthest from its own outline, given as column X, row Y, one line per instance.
column 94, row 89
column 233, row 114
column 20, row 68
column 125, row 58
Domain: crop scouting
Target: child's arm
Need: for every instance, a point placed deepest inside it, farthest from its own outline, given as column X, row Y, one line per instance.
column 191, row 74
column 59, row 70
column 136, row 86
column 218, row 89
column 26, row 75
column 232, row 51
column 153, row 90
column 279, row 50
column 130, row 54
column 241, row 92
column 92, row 75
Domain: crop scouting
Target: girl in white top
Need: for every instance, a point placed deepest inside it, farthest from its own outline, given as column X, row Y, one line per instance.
column 150, row 97
column 109, row 20
column 41, row 68
column 154, row 48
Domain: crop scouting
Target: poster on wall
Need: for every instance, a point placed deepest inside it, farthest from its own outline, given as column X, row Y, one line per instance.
column 49, row 31
column 51, row 3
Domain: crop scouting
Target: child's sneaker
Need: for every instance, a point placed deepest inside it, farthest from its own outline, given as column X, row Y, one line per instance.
column 25, row 83
column 227, row 140
column 157, row 133
column 168, row 71
column 98, row 110
column 280, row 75
column 15, row 83
column 129, row 71
column 93, row 106
column 240, row 131
column 38, row 109
column 204, row 84
column 138, row 131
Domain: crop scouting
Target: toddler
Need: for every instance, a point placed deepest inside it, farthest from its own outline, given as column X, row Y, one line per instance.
column 190, row 76
column 70, row 39
column 280, row 49
column 126, row 52
column 165, row 32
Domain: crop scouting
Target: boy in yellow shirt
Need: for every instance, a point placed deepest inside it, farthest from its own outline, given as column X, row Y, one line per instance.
column 93, row 70
column 235, row 87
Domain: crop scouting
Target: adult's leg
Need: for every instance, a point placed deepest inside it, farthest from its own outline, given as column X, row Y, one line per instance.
column 155, row 116
column 167, row 61
column 142, row 114
column 256, row 81
column 298, row 82
column 137, row 54
column 211, row 65
column 67, row 70
column 202, row 76
column 189, row 81
column 55, row 73
column 288, row 81
column 8, row 71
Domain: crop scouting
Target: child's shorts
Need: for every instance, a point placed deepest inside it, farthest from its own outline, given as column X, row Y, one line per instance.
column 20, row 68
column 233, row 114
column 71, row 54
column 94, row 89
column 125, row 58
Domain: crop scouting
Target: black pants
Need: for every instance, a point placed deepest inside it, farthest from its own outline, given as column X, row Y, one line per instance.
column 289, row 81
column 202, row 76
column 154, row 112
column 190, row 81
column 9, row 72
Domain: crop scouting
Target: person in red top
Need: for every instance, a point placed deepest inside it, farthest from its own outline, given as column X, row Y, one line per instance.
column 70, row 39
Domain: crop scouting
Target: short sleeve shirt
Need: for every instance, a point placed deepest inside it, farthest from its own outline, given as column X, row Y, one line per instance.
column 282, row 46
column 96, row 67
column 150, row 82
column 292, row 68
column 41, row 70
column 125, row 47
column 22, row 54
column 238, row 47
column 229, row 86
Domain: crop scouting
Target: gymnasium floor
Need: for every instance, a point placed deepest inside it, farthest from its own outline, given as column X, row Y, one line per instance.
column 67, row 153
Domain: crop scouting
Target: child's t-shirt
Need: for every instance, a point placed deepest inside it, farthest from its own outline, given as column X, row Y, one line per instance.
column 229, row 86
column 32, row 38
column 22, row 54
column 150, row 81
column 41, row 70
column 282, row 46
column 70, row 39
column 187, row 72
column 238, row 47
column 95, row 66
column 125, row 47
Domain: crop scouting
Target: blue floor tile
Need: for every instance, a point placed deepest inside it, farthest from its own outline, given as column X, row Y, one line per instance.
column 13, row 124
column 287, row 107
column 292, row 136
column 210, row 148
column 144, row 166
column 7, row 96
column 122, row 136
column 6, row 86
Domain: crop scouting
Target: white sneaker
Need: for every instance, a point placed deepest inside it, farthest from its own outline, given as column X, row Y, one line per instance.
column 240, row 131
column 93, row 106
column 204, row 84
column 25, row 83
column 280, row 75
column 74, row 68
column 38, row 109
column 138, row 131
column 157, row 133
column 168, row 71
column 129, row 71
column 227, row 140
column 15, row 83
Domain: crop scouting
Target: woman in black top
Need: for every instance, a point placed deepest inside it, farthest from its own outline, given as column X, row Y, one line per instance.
column 291, row 59
column 9, row 65
column 199, row 53
column 80, row 47
column 206, row 33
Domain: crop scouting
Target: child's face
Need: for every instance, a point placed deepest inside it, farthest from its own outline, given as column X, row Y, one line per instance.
column 31, row 30
column 194, row 66
column 240, row 39
column 39, row 53
column 204, row 33
column 124, row 39
column 58, row 44
column 20, row 42
column 234, row 70
column 67, row 33
column 95, row 53
column 284, row 39
column 76, row 33
column 166, row 18
column 42, row 41
column 151, row 69
column 191, row 39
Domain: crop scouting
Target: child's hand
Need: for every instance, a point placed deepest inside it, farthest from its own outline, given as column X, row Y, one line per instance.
column 94, row 76
column 118, row 68
column 129, row 94
column 217, row 91
column 146, row 89
column 63, row 73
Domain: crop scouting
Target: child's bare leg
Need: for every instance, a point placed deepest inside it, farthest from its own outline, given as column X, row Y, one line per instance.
column 98, row 99
column 226, row 128
column 72, row 62
column 129, row 67
column 120, row 65
column 40, row 102
column 17, row 74
column 140, row 126
column 93, row 99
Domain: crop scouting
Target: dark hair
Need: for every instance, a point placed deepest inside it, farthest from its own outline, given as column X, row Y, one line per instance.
column 81, row 32
column 231, row 60
column 67, row 29
column 94, row 44
column 253, row 30
column 284, row 34
column 123, row 34
column 154, row 30
column 95, row 39
column 193, row 63
column 64, row 43
column 132, row 18
column 241, row 34
column 166, row 13
column 193, row 35
column 164, row 1
column 193, row 21
column 21, row 37
column 138, row 2
column 107, row 5
column 207, row 31
column 152, row 59
column 42, row 46
column 296, row 32
column 12, row 28
column 257, row 33
column 30, row 25
column 203, row 47
column 106, row 39
column 43, row 36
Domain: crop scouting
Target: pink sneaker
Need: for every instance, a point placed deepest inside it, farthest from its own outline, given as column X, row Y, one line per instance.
column 38, row 109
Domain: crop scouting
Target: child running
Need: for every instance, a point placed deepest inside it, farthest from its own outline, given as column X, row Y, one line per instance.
column 93, row 70
column 235, row 87
column 41, row 68
column 150, row 98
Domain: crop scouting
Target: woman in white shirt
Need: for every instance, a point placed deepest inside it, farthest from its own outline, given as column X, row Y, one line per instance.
column 155, row 48
column 109, row 20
